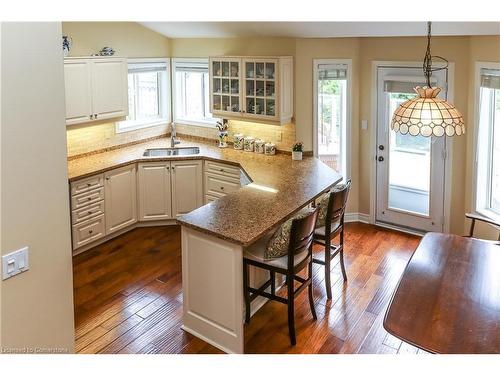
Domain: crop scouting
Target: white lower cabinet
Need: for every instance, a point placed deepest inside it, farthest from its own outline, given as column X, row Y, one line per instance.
column 187, row 186
column 105, row 204
column 155, row 192
column 88, row 231
column 120, row 198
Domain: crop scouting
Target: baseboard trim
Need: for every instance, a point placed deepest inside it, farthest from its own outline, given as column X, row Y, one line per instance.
column 352, row 217
column 206, row 339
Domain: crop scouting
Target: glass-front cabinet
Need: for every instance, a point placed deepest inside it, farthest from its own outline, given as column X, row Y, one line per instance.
column 252, row 88
column 225, row 85
column 259, row 94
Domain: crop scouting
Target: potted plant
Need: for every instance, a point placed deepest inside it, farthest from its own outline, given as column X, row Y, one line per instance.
column 297, row 151
column 222, row 135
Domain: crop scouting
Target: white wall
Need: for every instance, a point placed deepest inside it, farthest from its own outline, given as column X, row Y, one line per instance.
column 37, row 305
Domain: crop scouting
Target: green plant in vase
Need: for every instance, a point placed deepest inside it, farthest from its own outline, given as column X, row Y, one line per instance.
column 297, row 149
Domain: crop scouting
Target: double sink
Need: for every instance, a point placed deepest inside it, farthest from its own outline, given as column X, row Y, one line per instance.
column 170, row 151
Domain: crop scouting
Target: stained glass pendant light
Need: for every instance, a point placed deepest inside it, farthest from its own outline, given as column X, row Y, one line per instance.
column 427, row 114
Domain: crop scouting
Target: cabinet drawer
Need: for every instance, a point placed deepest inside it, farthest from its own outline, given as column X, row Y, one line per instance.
column 218, row 184
column 222, row 169
column 88, row 212
column 89, row 197
column 88, row 231
column 82, row 186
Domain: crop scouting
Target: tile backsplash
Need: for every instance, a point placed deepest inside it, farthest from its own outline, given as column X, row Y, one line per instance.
column 282, row 135
column 85, row 138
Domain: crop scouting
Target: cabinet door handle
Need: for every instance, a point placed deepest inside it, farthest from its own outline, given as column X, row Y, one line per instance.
column 173, row 168
column 168, row 168
column 91, row 116
column 222, row 187
column 107, row 178
column 95, row 116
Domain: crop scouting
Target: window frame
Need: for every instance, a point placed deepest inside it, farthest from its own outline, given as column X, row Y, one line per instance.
column 346, row 143
column 481, row 197
column 203, row 123
column 165, row 98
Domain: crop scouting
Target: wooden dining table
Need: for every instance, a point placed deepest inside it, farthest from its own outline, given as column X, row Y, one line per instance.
column 448, row 298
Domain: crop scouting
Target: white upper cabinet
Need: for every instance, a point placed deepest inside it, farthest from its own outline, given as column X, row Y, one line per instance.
column 187, row 186
column 252, row 88
column 96, row 89
column 109, row 88
column 78, row 91
column 121, row 199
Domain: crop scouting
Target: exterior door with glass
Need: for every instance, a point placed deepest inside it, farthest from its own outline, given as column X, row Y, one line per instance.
column 410, row 169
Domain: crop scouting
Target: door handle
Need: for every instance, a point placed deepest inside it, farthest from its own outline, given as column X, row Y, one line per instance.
column 380, row 158
column 381, row 147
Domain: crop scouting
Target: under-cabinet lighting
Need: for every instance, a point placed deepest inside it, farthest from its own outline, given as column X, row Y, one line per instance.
column 263, row 188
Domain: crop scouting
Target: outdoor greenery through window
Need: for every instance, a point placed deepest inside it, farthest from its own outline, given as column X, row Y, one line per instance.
column 488, row 146
column 148, row 93
column 191, row 96
column 332, row 114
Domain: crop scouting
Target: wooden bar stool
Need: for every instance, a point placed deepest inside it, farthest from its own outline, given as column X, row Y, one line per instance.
column 333, row 226
column 299, row 256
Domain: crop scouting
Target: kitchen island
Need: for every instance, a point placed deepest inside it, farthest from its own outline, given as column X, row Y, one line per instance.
column 215, row 235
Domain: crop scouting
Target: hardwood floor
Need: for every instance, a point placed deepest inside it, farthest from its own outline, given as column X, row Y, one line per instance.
column 128, row 298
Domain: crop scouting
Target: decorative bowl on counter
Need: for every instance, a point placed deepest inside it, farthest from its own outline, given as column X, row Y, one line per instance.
column 238, row 141
column 259, row 146
column 248, row 144
column 269, row 149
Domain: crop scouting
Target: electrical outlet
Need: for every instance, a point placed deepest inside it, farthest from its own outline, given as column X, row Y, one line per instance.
column 279, row 136
column 15, row 263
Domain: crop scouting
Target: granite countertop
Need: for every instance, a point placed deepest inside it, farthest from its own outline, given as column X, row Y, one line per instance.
column 280, row 187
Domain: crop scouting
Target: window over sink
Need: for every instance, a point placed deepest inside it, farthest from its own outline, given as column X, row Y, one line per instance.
column 191, row 92
column 148, row 94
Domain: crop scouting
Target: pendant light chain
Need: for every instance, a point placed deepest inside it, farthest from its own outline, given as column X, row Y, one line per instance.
column 428, row 57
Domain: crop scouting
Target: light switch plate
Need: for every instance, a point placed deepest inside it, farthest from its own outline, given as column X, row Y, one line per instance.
column 364, row 124
column 14, row 263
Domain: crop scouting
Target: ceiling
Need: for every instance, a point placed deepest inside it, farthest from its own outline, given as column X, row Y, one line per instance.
column 318, row 29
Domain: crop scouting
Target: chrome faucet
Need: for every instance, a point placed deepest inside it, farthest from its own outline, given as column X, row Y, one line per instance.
column 173, row 136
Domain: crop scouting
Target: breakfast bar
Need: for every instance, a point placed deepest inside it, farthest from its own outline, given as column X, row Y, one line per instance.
column 214, row 238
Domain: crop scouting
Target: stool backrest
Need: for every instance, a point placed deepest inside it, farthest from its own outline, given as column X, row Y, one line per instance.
column 337, row 204
column 301, row 236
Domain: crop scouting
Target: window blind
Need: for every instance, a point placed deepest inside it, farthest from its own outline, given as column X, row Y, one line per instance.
column 490, row 78
column 405, row 85
column 191, row 66
column 326, row 72
column 147, row 67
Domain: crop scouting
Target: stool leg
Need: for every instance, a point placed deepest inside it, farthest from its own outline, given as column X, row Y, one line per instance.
column 291, row 317
column 342, row 266
column 328, row 258
column 273, row 282
column 341, row 244
column 246, row 292
column 310, row 291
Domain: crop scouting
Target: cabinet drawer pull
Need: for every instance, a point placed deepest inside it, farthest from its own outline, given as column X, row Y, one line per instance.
column 222, row 187
column 91, row 231
column 89, row 198
column 89, row 212
column 222, row 170
column 107, row 178
column 89, row 184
